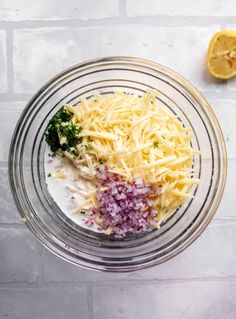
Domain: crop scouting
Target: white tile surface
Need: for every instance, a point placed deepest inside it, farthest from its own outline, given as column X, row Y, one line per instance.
column 225, row 110
column 8, row 211
column 3, row 62
column 231, row 84
column 20, row 256
column 54, row 49
column 10, row 113
column 16, row 10
column 49, row 36
column 59, row 303
column 190, row 300
column 207, row 257
column 56, row 270
column 211, row 255
column 180, row 7
column 227, row 207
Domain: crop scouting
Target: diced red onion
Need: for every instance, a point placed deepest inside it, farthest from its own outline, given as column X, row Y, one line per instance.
column 89, row 222
column 124, row 206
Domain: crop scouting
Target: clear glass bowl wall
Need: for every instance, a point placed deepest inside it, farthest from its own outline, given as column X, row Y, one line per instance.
column 97, row 251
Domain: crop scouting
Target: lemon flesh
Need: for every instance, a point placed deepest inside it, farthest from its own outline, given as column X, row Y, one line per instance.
column 221, row 55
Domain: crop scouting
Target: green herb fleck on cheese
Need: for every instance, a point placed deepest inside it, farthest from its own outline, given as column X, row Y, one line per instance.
column 155, row 144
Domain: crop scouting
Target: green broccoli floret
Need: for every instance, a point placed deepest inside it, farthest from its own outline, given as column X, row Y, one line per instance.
column 61, row 133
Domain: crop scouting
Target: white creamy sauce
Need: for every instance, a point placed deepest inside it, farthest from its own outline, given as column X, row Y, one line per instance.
column 67, row 192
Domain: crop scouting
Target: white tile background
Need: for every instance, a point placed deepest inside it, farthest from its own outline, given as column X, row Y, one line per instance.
column 39, row 39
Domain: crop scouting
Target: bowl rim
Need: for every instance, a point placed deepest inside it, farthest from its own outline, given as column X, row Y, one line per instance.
column 154, row 66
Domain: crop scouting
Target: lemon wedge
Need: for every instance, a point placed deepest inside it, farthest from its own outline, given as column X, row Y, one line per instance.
column 221, row 55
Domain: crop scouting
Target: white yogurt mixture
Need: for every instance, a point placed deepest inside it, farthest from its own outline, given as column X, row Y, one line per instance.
column 68, row 192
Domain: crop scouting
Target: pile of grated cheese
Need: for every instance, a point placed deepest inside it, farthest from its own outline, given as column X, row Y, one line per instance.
column 136, row 137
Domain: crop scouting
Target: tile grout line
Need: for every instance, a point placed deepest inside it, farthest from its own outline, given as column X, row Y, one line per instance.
column 105, row 283
column 90, row 301
column 13, row 225
column 9, row 49
column 122, row 8
column 41, row 250
column 42, row 264
column 161, row 20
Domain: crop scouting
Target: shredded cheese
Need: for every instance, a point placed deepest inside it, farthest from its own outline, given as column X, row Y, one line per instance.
column 136, row 137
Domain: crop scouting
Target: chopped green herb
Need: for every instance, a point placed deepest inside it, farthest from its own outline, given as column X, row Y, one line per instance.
column 80, row 139
column 49, row 174
column 155, row 144
column 51, row 133
column 90, row 139
column 71, row 132
column 101, row 160
column 80, row 129
column 82, row 212
column 163, row 137
column 61, row 133
column 88, row 147
column 52, row 155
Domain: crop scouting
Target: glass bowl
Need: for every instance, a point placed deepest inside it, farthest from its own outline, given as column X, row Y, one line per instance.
column 98, row 251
